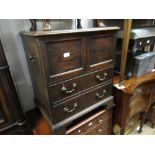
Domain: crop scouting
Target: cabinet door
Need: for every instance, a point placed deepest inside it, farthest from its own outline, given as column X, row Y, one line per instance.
column 101, row 50
column 64, row 56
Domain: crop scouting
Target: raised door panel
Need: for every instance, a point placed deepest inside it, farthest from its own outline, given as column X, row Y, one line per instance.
column 101, row 49
column 64, row 56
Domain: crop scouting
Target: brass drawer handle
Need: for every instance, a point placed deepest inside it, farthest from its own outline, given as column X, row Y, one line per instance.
column 32, row 58
column 138, row 90
column 100, row 120
column 99, row 130
column 71, row 110
column 98, row 96
column 99, row 79
column 90, row 124
column 64, row 89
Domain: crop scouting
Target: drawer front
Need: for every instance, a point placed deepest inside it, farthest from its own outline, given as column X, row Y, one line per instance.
column 143, row 89
column 90, row 123
column 79, row 103
column 137, row 104
column 64, row 55
column 102, row 129
column 67, row 88
column 101, row 48
column 140, row 100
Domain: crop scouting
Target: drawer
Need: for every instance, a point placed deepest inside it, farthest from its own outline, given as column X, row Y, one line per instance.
column 145, row 88
column 64, row 55
column 102, row 129
column 67, row 88
column 90, row 123
column 138, row 104
column 69, row 108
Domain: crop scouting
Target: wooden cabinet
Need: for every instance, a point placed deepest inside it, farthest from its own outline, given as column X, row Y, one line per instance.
column 11, row 116
column 72, row 72
column 133, row 102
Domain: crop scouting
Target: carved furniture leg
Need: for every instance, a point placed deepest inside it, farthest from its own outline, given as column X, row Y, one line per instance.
column 142, row 119
column 123, row 128
column 153, row 124
column 122, row 131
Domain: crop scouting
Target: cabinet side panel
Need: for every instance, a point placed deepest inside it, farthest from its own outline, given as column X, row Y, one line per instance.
column 37, row 73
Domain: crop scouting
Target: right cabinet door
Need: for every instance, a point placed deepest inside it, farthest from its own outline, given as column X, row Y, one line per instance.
column 100, row 49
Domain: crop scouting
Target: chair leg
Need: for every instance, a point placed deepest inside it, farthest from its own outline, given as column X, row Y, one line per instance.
column 153, row 124
column 142, row 120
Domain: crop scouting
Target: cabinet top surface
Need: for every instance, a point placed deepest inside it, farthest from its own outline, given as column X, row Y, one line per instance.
column 56, row 32
column 133, row 82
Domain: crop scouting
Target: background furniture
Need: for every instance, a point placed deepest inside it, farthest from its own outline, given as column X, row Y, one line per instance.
column 136, row 23
column 72, row 72
column 142, row 40
column 11, row 115
column 134, row 100
column 151, row 115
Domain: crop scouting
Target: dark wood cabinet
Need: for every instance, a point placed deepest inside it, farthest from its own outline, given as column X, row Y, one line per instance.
column 11, row 115
column 72, row 72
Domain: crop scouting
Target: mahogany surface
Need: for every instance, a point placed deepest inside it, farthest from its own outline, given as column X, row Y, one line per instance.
column 135, row 99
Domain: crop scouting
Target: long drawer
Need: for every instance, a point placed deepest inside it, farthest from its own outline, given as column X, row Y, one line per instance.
column 70, row 87
column 69, row 108
column 96, row 124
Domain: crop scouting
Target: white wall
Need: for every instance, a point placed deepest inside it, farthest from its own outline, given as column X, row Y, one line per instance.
column 13, row 47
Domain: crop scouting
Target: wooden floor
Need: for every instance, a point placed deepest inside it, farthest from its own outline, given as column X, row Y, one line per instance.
column 40, row 126
column 37, row 122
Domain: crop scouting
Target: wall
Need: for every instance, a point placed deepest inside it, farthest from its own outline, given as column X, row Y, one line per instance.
column 13, row 48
